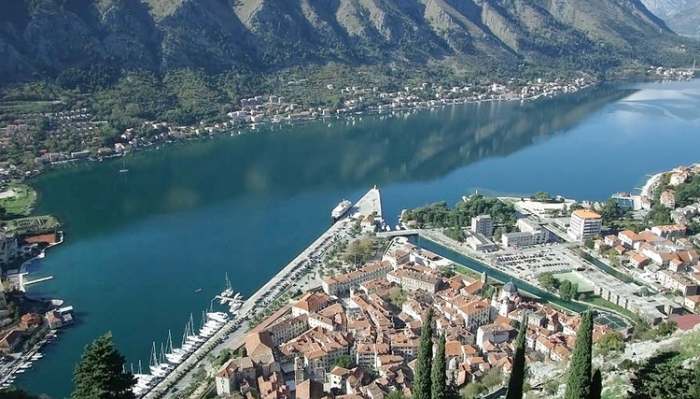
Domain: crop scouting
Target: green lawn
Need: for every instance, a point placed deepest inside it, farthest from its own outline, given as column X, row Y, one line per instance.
column 463, row 270
column 574, row 278
column 17, row 199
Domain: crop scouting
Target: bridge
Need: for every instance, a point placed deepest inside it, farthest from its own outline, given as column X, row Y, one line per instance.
column 398, row 233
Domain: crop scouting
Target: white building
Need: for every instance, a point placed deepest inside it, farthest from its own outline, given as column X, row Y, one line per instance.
column 482, row 224
column 584, row 224
column 540, row 235
column 516, row 239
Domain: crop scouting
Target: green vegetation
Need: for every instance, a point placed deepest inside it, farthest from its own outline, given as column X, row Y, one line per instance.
column 611, row 342
column 491, row 379
column 440, row 215
column 344, row 361
column 99, row 374
column 548, row 281
column 397, row 297
column 360, row 251
column 658, row 215
column 688, row 192
column 578, row 384
column 644, row 332
column 31, row 225
column 439, row 371
column 665, row 377
column 395, row 394
column 456, row 233
column 568, row 291
column 17, row 200
column 542, row 196
column 517, row 376
column 422, row 388
column 276, row 304
column 222, row 357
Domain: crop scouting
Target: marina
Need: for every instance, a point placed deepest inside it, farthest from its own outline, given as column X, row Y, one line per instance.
column 226, row 331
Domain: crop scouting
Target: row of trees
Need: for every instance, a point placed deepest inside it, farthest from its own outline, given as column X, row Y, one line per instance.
column 431, row 373
column 582, row 382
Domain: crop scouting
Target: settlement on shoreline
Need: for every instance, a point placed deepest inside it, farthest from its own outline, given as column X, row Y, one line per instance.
column 379, row 305
column 232, row 333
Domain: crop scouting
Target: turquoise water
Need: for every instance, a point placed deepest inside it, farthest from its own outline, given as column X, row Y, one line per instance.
column 139, row 244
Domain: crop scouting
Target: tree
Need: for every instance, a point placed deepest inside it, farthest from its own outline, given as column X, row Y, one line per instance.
column 395, row 394
column 439, row 372
column 596, row 385
column 666, row 328
column 578, row 384
column 548, row 281
column 473, row 390
column 664, row 376
column 611, row 342
column 517, row 376
column 344, row 361
column 421, row 385
column 695, row 389
column 99, row 375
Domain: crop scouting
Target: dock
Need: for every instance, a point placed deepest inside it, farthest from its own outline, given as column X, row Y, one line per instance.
column 232, row 334
column 24, row 283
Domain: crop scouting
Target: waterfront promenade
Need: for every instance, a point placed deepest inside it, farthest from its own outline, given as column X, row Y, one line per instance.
column 231, row 335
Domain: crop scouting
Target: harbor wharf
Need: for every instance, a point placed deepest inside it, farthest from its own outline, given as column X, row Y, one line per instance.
column 231, row 335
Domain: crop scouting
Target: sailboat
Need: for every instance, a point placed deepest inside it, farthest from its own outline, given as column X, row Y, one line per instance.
column 229, row 289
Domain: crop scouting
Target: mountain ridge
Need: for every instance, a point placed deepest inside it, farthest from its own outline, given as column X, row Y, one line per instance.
column 54, row 37
column 683, row 16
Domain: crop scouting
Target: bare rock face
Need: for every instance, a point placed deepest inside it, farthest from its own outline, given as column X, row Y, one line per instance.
column 50, row 37
column 683, row 16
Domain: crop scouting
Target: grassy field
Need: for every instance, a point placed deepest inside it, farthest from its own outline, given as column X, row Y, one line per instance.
column 17, row 199
column 572, row 277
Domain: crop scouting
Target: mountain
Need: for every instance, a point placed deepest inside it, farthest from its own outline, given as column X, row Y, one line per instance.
column 683, row 16
column 59, row 37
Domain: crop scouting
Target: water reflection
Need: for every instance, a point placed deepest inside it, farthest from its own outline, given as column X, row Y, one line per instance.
column 422, row 146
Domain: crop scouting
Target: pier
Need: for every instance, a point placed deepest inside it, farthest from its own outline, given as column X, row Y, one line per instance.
column 232, row 334
column 24, row 283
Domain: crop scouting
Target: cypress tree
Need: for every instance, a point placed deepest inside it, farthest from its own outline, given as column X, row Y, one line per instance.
column 421, row 384
column 578, row 385
column 517, row 376
column 100, row 375
column 596, row 384
column 439, row 372
column 695, row 389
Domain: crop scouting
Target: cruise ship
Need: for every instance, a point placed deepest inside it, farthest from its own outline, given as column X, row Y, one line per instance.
column 340, row 210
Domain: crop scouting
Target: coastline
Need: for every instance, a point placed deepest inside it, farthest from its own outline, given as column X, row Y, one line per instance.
column 203, row 132
column 151, row 147
column 248, row 128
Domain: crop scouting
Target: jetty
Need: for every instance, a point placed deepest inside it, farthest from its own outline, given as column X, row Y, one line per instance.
column 24, row 283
